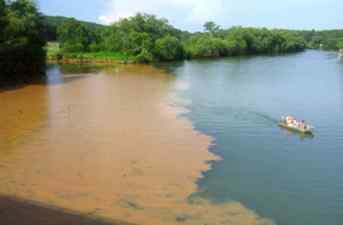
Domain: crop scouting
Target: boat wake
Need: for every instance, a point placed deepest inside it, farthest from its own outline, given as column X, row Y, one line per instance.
column 262, row 116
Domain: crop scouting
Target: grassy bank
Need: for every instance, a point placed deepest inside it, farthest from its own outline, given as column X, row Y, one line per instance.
column 56, row 55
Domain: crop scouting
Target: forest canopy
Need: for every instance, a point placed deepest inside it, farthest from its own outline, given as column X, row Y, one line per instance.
column 147, row 38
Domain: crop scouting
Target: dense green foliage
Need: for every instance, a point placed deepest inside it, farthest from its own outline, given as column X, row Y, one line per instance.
column 51, row 24
column 211, row 27
column 144, row 38
column 21, row 41
column 147, row 38
column 327, row 39
column 126, row 35
column 204, row 45
column 75, row 36
column 239, row 40
column 168, row 48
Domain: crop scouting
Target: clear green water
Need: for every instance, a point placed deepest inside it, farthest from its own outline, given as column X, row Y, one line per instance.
column 292, row 179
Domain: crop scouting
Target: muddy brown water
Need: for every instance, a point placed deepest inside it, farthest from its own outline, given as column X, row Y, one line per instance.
column 109, row 143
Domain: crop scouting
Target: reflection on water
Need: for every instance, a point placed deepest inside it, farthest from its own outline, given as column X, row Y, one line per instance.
column 107, row 143
column 59, row 75
column 302, row 136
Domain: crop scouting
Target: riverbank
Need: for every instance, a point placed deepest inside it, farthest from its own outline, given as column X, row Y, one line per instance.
column 56, row 56
column 123, row 152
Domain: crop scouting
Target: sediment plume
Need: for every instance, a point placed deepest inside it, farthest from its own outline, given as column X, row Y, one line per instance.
column 111, row 145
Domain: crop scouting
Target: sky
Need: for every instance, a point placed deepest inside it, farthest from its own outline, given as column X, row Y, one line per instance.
column 192, row 14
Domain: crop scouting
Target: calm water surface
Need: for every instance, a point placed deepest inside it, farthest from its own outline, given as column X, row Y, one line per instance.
column 293, row 179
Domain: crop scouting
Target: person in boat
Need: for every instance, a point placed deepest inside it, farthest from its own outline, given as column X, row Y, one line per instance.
column 295, row 123
column 303, row 125
column 289, row 120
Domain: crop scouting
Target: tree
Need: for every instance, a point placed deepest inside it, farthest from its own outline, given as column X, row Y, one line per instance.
column 211, row 27
column 340, row 44
column 327, row 39
column 24, row 23
column 236, row 41
column 168, row 48
column 133, row 34
column 206, row 46
column 2, row 19
column 236, row 46
column 74, row 36
column 139, row 41
column 2, row 7
column 21, row 41
column 149, row 37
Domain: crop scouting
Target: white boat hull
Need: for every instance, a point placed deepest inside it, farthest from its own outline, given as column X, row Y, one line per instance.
column 295, row 128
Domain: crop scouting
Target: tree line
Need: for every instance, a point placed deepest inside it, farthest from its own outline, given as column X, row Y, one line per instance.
column 21, row 41
column 51, row 23
column 327, row 39
column 148, row 38
column 143, row 38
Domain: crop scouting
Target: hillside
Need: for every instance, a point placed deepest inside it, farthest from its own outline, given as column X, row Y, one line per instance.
column 52, row 22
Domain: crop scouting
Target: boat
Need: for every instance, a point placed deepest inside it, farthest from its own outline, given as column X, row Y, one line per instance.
column 292, row 124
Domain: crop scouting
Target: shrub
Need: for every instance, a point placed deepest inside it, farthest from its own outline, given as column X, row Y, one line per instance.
column 144, row 57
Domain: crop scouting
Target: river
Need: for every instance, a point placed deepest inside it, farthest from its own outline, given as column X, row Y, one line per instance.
column 131, row 142
column 294, row 179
